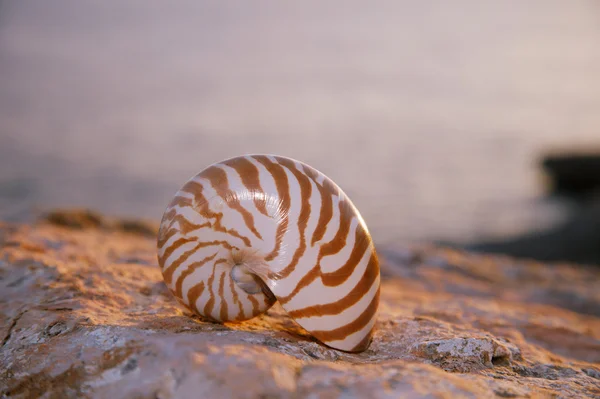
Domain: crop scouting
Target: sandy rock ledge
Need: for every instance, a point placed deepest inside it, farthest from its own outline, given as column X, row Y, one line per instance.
column 84, row 313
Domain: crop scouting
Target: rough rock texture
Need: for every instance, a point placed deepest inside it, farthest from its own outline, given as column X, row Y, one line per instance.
column 84, row 313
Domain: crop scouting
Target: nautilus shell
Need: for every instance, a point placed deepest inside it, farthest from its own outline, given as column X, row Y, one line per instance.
column 256, row 229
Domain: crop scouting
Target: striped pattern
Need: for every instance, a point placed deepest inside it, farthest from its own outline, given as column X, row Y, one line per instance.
column 254, row 229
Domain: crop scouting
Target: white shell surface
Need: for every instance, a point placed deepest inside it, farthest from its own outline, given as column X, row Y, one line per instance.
column 287, row 224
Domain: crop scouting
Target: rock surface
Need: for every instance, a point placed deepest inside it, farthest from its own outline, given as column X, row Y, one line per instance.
column 84, row 313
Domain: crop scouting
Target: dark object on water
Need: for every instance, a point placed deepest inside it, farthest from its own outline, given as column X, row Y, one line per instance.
column 577, row 240
column 574, row 177
column 573, row 173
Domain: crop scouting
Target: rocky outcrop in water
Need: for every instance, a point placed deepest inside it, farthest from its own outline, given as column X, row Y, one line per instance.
column 574, row 178
column 575, row 173
column 84, row 313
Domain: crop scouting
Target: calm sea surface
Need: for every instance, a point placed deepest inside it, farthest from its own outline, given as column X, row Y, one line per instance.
column 430, row 115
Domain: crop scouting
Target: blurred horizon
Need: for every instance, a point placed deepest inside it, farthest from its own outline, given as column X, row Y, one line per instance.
column 431, row 116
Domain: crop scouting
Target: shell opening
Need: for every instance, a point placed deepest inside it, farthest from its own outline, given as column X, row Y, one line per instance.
column 249, row 271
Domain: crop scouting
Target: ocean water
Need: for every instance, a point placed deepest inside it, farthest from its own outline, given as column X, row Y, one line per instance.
column 431, row 115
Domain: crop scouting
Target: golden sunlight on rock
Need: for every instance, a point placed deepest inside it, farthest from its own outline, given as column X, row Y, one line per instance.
column 84, row 312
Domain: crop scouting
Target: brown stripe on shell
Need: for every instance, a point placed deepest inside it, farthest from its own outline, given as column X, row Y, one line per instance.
column 195, row 188
column 249, row 174
column 181, row 202
column 164, row 234
column 340, row 275
column 220, row 183
column 186, row 226
column 224, row 311
column 283, row 191
column 194, row 293
column 168, row 216
column 361, row 245
column 365, row 342
column 308, row 278
column 208, row 307
column 173, row 247
column 189, row 270
column 168, row 273
column 339, row 241
column 355, row 295
column 329, row 248
column 327, row 190
column 354, row 326
column 255, row 306
column 305, row 194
